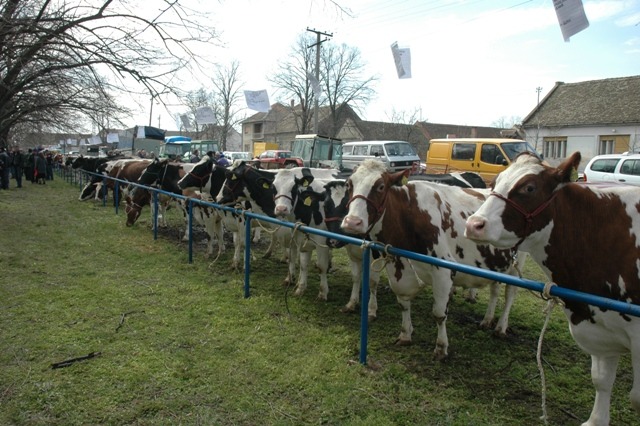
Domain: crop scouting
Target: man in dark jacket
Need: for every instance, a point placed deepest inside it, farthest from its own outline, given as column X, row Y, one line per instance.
column 19, row 160
column 5, row 168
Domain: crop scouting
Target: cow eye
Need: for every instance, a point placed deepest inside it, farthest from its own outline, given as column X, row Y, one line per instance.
column 380, row 187
column 529, row 188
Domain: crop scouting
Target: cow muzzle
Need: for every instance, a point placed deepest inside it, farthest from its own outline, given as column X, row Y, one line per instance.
column 353, row 225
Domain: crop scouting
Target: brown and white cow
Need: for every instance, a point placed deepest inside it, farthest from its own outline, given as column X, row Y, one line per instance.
column 427, row 218
column 585, row 237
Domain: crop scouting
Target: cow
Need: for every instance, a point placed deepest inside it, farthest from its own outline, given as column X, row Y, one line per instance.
column 336, row 208
column 426, row 218
column 299, row 197
column 585, row 237
column 161, row 174
column 127, row 169
column 246, row 183
column 204, row 181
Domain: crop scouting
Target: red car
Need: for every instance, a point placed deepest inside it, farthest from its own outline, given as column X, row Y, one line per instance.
column 276, row 159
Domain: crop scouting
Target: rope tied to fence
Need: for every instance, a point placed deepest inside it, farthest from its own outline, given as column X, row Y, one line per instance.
column 551, row 302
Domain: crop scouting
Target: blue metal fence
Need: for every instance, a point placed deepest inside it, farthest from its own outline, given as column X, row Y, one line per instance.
column 367, row 246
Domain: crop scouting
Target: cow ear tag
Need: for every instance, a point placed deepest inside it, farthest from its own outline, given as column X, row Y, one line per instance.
column 234, row 177
column 265, row 185
column 305, row 183
column 405, row 180
column 307, row 201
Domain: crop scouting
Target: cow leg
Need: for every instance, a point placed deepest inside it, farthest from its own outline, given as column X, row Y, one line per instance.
column 472, row 295
column 442, row 285
column 238, row 248
column 603, row 374
column 494, row 294
column 323, row 255
column 305, row 260
column 510, row 293
column 256, row 234
column 356, row 278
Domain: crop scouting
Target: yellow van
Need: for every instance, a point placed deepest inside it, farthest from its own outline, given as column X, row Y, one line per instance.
column 487, row 156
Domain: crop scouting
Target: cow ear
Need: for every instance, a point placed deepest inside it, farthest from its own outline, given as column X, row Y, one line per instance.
column 399, row 178
column 305, row 180
column 264, row 183
column 569, row 167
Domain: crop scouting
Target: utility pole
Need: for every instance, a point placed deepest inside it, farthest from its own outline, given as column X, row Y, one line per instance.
column 538, row 89
column 317, row 45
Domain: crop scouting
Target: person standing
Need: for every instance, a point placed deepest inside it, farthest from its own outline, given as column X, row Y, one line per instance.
column 49, row 158
column 40, row 174
column 5, row 168
column 29, row 166
column 19, row 160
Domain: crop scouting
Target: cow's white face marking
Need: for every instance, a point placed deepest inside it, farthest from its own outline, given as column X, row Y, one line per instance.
column 363, row 183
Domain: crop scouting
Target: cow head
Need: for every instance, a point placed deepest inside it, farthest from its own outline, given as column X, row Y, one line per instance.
column 519, row 203
column 335, row 209
column 135, row 200
column 284, row 185
column 151, row 174
column 198, row 177
column 368, row 187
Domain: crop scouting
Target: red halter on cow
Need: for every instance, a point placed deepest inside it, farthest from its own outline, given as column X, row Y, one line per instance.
column 585, row 237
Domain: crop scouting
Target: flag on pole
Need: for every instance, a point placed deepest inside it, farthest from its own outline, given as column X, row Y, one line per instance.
column 147, row 132
column 402, row 60
column 315, row 84
column 571, row 17
column 205, row 115
column 186, row 123
column 257, row 100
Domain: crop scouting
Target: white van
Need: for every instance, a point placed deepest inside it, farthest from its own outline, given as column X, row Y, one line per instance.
column 396, row 155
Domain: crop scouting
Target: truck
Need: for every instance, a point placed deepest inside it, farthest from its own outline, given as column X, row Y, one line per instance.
column 179, row 148
column 318, row 151
column 260, row 147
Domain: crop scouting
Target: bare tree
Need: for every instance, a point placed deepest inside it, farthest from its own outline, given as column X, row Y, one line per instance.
column 506, row 123
column 292, row 80
column 194, row 100
column 344, row 80
column 67, row 60
column 227, row 87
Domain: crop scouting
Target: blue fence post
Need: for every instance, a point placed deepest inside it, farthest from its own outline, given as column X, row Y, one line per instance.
column 247, row 255
column 190, row 227
column 364, row 304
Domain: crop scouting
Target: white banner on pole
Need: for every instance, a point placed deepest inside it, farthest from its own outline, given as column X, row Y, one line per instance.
column 315, row 84
column 186, row 123
column 205, row 115
column 95, row 140
column 113, row 137
column 257, row 100
column 571, row 17
column 402, row 60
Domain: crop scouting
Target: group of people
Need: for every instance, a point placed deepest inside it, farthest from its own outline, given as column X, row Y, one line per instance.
column 35, row 165
column 218, row 158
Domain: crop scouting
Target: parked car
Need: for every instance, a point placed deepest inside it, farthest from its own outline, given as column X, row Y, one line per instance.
column 621, row 168
column 277, row 159
column 237, row 155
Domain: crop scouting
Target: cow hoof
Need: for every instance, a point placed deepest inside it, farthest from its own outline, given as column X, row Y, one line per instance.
column 402, row 342
column 372, row 318
column 347, row 309
column 298, row 292
column 322, row 297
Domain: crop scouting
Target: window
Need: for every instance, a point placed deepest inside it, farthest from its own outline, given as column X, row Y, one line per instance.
column 376, row 150
column 555, row 147
column 361, row 150
column 630, row 167
column 605, row 165
column 463, row 151
column 606, row 146
column 257, row 128
column 490, row 153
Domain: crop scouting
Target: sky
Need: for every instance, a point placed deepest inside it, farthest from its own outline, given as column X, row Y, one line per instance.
column 473, row 62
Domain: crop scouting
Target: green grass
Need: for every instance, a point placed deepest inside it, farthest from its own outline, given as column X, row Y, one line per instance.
column 179, row 344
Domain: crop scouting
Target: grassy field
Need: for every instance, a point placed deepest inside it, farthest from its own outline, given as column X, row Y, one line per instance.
column 177, row 343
